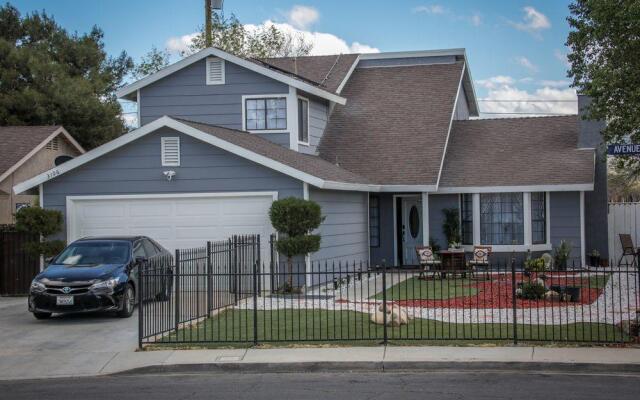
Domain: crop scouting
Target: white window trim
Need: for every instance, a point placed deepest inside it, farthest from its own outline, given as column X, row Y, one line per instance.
column 308, row 120
column 526, row 199
column 224, row 75
column 264, row 96
column 162, row 151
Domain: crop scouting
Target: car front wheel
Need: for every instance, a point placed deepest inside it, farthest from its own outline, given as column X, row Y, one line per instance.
column 128, row 302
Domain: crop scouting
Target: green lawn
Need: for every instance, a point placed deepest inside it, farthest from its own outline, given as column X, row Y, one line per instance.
column 598, row 281
column 435, row 289
column 235, row 327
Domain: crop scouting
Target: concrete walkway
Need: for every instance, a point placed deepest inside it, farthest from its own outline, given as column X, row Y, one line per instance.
column 54, row 364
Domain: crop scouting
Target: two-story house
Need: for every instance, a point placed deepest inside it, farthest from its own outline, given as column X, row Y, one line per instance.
column 383, row 142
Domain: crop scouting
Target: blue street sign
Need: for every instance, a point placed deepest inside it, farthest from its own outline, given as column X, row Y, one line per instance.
column 623, row 149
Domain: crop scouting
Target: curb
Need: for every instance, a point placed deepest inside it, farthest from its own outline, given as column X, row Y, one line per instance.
column 379, row 366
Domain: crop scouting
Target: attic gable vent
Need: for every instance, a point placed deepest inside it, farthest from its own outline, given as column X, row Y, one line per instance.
column 215, row 71
column 170, row 151
column 53, row 144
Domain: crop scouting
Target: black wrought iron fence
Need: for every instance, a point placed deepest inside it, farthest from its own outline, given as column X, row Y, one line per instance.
column 334, row 301
column 200, row 281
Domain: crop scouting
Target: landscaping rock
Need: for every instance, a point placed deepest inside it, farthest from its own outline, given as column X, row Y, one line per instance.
column 552, row 295
column 396, row 316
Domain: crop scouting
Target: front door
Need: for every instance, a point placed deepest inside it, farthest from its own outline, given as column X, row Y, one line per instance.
column 411, row 229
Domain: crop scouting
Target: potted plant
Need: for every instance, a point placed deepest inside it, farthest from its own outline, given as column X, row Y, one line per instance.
column 594, row 258
column 451, row 227
column 561, row 255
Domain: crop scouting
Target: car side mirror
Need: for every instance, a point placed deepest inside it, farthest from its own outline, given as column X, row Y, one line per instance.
column 140, row 260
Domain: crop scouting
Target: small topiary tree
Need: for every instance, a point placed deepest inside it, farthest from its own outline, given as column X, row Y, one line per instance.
column 41, row 223
column 295, row 219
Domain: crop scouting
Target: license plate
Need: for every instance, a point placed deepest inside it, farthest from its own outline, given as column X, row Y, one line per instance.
column 64, row 300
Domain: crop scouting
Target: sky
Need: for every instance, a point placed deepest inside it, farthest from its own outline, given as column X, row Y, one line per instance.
column 515, row 48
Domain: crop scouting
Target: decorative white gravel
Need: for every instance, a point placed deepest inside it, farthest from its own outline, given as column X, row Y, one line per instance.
column 616, row 303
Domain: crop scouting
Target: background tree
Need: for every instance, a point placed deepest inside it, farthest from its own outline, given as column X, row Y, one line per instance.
column 48, row 76
column 230, row 35
column 605, row 64
column 41, row 223
column 152, row 62
column 295, row 219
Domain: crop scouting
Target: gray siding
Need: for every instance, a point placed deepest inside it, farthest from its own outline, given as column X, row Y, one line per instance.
column 462, row 108
column 437, row 203
column 185, row 94
column 384, row 253
column 318, row 116
column 136, row 169
column 564, row 209
column 345, row 228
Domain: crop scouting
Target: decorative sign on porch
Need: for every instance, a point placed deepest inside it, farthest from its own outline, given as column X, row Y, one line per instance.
column 623, row 149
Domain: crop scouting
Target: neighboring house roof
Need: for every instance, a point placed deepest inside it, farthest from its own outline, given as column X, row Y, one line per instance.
column 129, row 91
column 394, row 128
column 19, row 143
column 328, row 72
column 535, row 151
column 307, row 168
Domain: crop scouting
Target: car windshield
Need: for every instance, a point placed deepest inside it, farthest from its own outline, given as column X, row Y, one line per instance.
column 95, row 253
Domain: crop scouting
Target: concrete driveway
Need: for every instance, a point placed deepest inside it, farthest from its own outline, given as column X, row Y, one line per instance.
column 21, row 332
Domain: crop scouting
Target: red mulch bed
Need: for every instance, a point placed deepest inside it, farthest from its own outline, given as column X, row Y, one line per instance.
column 497, row 293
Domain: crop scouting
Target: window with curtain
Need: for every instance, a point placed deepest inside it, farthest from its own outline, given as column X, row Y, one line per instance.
column 466, row 218
column 374, row 221
column 266, row 114
column 501, row 218
column 538, row 218
column 303, row 121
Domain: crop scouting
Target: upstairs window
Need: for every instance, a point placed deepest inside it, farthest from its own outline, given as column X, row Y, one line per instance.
column 170, row 151
column 303, row 121
column 266, row 114
column 215, row 71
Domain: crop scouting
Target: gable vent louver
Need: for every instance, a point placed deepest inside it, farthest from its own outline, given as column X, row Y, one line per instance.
column 170, row 151
column 215, row 71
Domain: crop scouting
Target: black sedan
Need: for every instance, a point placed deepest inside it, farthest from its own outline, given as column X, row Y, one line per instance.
column 100, row 274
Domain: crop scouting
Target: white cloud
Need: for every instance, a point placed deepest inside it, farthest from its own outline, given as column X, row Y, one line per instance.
column 526, row 63
column 476, row 20
column 562, row 57
column 508, row 100
column 179, row 44
column 496, row 81
column 533, row 22
column 302, row 17
column 555, row 83
column 430, row 9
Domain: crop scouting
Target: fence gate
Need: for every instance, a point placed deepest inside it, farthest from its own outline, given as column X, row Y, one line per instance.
column 17, row 268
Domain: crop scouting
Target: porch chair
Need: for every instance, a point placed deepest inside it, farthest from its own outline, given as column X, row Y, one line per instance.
column 480, row 259
column 628, row 249
column 427, row 260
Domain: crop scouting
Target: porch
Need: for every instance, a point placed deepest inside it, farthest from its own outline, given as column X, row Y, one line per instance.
column 513, row 224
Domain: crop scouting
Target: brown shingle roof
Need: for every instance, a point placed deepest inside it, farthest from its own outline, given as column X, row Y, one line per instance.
column 328, row 72
column 515, row 152
column 394, row 126
column 17, row 141
column 312, row 165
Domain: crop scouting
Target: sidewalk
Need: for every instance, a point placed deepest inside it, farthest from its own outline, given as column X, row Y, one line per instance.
column 62, row 364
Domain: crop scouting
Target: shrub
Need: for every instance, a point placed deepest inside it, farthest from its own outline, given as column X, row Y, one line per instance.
column 295, row 219
column 532, row 291
column 561, row 254
column 535, row 265
column 41, row 223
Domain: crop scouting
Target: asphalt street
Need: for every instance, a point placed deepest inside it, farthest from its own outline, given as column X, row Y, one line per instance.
column 493, row 385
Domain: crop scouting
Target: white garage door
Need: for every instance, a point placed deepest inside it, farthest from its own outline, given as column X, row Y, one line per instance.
column 184, row 221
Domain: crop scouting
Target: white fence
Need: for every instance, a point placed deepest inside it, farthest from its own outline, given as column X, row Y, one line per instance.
column 623, row 218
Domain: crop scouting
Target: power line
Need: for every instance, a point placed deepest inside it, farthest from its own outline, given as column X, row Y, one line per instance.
column 528, row 101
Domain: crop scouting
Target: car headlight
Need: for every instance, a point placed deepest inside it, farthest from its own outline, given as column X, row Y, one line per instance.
column 109, row 284
column 38, row 287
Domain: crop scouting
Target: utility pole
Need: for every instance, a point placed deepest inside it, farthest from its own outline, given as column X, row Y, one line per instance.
column 208, row 9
